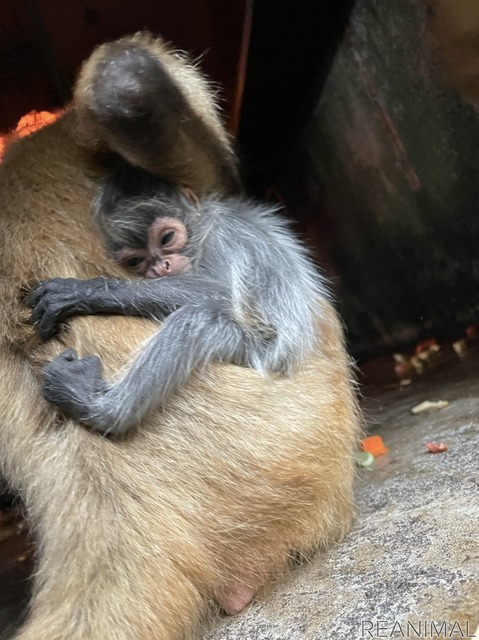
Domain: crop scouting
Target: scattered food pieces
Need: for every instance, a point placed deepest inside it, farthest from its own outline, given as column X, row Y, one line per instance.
column 428, row 406
column 417, row 363
column 427, row 346
column 403, row 367
column 460, row 348
column 365, row 459
column 424, row 354
column 472, row 330
column 433, row 447
column 374, row 445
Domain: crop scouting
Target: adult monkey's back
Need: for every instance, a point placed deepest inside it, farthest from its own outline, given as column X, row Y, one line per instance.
column 137, row 538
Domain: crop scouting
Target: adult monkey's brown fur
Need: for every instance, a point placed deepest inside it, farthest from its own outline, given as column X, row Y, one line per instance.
column 137, row 538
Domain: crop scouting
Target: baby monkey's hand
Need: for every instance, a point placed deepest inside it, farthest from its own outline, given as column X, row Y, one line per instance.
column 54, row 301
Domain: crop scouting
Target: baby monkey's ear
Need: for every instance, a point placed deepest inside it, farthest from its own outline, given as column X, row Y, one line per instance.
column 191, row 196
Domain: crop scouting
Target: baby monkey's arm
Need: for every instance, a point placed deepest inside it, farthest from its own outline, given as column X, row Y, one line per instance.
column 54, row 301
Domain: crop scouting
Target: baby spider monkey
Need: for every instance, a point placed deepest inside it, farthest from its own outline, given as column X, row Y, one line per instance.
column 241, row 288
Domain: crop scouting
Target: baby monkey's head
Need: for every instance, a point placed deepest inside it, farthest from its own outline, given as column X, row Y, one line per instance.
column 143, row 220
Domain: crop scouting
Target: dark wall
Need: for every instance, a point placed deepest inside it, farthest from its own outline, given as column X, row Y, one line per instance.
column 291, row 48
column 385, row 175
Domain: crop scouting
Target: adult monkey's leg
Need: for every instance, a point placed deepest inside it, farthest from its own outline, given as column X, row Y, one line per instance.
column 155, row 110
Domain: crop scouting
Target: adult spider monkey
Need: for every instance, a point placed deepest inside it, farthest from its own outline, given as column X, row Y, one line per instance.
column 138, row 539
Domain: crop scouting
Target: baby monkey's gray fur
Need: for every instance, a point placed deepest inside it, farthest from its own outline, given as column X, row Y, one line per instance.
column 250, row 298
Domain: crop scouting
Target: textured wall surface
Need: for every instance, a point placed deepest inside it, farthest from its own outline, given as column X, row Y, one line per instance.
column 391, row 161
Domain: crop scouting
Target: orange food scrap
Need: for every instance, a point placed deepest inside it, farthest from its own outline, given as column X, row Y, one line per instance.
column 35, row 120
column 374, row 445
column 433, row 447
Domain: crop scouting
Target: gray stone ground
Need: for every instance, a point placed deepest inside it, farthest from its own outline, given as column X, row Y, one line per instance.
column 413, row 554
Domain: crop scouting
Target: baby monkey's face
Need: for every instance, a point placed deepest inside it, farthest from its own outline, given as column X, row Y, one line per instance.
column 162, row 256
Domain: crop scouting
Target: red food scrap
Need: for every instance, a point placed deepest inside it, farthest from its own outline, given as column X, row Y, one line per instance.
column 434, row 447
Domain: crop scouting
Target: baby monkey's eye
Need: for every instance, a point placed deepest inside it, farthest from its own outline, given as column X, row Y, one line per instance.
column 134, row 262
column 167, row 238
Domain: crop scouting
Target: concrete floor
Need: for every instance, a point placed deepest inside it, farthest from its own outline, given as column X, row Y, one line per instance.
column 412, row 558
